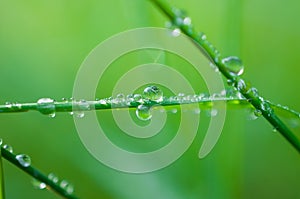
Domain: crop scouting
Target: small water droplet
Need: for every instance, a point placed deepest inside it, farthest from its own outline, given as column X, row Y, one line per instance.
column 234, row 65
column 187, row 21
column 197, row 111
column 71, row 113
column 67, row 186
column 176, row 32
column 1, row 141
column 46, row 106
column 143, row 112
column 8, row 148
column 174, row 110
column 168, row 24
column 53, row 177
column 52, row 115
column 213, row 112
column 18, row 105
column 241, row 85
column 8, row 104
column 24, row 160
column 79, row 114
column 257, row 113
column 253, row 91
column 230, row 82
column 180, row 97
column 202, row 36
column 138, row 98
column 274, row 130
column 153, row 93
column 38, row 184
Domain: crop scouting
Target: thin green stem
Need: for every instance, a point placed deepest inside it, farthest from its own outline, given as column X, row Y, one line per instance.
column 1, row 177
column 240, row 84
column 82, row 105
column 35, row 173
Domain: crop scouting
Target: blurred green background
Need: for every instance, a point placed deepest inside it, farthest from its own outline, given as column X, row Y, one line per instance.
column 42, row 45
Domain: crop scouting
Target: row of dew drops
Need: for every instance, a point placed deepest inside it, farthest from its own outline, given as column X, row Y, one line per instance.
column 25, row 161
column 233, row 64
column 145, row 102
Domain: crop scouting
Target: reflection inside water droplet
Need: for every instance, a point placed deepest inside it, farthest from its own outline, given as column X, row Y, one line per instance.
column 153, row 93
column 143, row 112
column 234, row 65
column 24, row 160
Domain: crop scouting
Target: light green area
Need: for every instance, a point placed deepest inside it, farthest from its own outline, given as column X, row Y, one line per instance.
column 42, row 45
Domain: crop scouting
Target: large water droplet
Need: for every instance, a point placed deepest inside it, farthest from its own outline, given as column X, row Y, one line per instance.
column 153, row 93
column 67, row 186
column 46, row 106
column 53, row 177
column 38, row 184
column 24, row 160
column 234, row 65
column 143, row 112
column 8, row 148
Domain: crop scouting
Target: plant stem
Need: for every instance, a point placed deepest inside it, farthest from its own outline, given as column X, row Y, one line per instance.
column 1, row 177
column 240, row 84
column 35, row 173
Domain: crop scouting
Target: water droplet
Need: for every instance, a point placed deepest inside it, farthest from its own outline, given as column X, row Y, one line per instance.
column 24, row 160
column 197, row 111
column 234, row 65
column 230, row 82
column 202, row 36
column 253, row 91
column 18, row 105
column 168, row 24
column 79, row 114
column 213, row 112
column 38, row 184
column 153, row 93
column 176, row 32
column 178, row 21
column 174, row 110
column 53, row 177
column 8, row 148
column 67, row 186
column 214, row 67
column 138, row 98
column 180, row 97
column 52, row 115
column 187, row 21
column 274, row 130
column 71, row 113
column 46, row 106
column 1, row 141
column 8, row 104
column 241, row 85
column 257, row 113
column 143, row 112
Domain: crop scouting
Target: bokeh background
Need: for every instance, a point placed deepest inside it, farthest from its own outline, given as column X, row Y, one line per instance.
column 42, row 45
